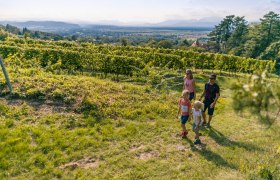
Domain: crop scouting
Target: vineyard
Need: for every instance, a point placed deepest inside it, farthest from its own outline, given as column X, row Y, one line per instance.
column 63, row 122
column 123, row 60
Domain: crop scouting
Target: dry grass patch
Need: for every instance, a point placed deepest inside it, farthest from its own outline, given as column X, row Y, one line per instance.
column 86, row 163
column 147, row 155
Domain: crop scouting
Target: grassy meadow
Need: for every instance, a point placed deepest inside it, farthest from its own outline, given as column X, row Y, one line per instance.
column 57, row 126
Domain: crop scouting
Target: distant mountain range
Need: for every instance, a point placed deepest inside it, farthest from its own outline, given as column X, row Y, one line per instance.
column 205, row 23
column 188, row 23
column 43, row 25
column 54, row 26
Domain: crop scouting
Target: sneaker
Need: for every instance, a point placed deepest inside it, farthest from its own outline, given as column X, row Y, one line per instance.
column 197, row 141
column 204, row 123
column 208, row 125
column 184, row 134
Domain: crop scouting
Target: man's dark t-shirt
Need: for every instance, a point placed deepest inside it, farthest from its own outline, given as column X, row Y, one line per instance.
column 210, row 91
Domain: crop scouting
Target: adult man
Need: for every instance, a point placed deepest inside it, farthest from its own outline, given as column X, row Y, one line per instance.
column 211, row 94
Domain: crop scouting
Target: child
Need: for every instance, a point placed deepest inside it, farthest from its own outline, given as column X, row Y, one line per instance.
column 198, row 120
column 185, row 110
column 189, row 84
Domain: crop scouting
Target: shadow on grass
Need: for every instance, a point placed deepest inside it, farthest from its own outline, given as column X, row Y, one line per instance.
column 224, row 141
column 210, row 156
column 37, row 104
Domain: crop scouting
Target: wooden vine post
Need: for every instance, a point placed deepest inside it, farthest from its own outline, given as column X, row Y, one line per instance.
column 6, row 75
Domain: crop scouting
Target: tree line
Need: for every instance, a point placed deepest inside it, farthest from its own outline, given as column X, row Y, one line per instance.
column 234, row 35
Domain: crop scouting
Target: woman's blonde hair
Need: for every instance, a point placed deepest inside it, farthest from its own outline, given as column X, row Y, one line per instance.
column 185, row 93
column 188, row 71
column 198, row 105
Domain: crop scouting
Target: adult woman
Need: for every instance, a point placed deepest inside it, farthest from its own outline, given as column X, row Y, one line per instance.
column 189, row 84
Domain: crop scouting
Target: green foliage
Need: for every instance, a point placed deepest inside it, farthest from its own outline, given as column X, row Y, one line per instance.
column 12, row 29
column 259, row 40
column 61, row 57
column 272, row 51
column 260, row 96
column 167, row 44
column 3, row 35
column 229, row 34
column 124, row 42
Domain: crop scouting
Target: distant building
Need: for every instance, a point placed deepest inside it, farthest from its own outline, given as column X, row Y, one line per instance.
column 196, row 43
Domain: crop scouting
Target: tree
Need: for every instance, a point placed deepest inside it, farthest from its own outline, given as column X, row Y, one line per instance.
column 185, row 42
column 272, row 52
column 235, row 44
column 262, row 35
column 26, row 35
column 270, row 24
column 124, row 42
column 25, row 30
column 3, row 35
column 37, row 34
column 151, row 43
column 13, row 29
column 227, row 34
column 74, row 37
column 166, row 44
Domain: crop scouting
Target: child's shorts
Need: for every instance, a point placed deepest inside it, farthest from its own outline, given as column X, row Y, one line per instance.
column 184, row 119
column 194, row 126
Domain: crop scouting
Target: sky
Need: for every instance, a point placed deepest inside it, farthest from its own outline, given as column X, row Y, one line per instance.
column 133, row 11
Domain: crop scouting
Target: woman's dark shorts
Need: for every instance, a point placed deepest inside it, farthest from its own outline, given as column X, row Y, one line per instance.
column 191, row 96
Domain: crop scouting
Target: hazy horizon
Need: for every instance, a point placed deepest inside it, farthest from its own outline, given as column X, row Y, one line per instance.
column 133, row 12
